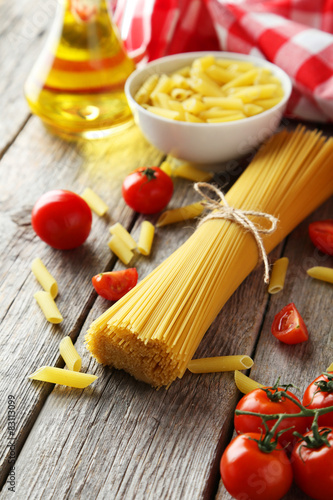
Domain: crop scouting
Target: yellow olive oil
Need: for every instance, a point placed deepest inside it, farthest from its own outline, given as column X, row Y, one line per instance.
column 77, row 84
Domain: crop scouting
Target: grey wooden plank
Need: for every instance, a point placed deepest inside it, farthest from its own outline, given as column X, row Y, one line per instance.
column 34, row 164
column 122, row 439
column 301, row 363
column 23, row 31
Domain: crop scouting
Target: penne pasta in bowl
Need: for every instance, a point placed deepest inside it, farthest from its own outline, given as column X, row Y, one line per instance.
column 208, row 107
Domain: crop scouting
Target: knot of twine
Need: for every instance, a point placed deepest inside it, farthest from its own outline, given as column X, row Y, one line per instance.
column 220, row 209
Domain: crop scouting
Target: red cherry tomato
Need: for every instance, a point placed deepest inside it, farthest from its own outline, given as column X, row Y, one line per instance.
column 248, row 473
column 62, row 219
column 313, row 468
column 321, row 235
column 260, row 402
column 115, row 284
column 147, row 190
column 319, row 394
column 289, row 327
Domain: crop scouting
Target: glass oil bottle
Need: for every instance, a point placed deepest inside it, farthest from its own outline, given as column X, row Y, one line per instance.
column 77, row 84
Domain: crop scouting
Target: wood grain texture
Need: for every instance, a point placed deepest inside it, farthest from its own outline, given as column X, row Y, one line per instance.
column 300, row 363
column 119, row 438
column 43, row 162
column 125, row 439
column 23, row 31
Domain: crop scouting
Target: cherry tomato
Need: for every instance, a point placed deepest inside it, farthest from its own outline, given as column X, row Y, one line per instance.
column 115, row 284
column 289, row 327
column 147, row 190
column 319, row 394
column 62, row 219
column 261, row 402
column 321, row 235
column 313, row 468
column 248, row 473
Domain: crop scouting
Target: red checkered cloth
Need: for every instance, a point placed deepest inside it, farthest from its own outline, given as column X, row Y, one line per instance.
column 293, row 34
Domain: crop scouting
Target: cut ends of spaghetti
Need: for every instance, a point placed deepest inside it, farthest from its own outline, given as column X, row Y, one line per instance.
column 155, row 329
column 120, row 348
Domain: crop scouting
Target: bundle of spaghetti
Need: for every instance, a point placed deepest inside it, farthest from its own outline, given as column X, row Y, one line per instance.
column 154, row 330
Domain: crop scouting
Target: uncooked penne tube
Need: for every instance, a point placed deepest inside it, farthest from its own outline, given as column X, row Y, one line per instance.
column 70, row 355
column 44, row 277
column 166, row 167
column 121, row 250
column 192, row 173
column 48, row 306
column 63, row 377
column 244, row 79
column 96, row 203
column 224, row 102
column 120, row 231
column 245, row 384
column 143, row 94
column 146, row 237
column 278, row 275
column 330, row 368
column 180, row 214
column 220, row 364
column 321, row 273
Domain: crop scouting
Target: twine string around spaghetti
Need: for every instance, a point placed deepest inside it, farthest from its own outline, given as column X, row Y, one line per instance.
column 220, row 209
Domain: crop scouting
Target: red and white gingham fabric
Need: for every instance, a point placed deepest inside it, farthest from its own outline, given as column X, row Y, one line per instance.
column 297, row 35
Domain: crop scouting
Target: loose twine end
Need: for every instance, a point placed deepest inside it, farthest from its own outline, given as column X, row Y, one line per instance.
column 220, row 209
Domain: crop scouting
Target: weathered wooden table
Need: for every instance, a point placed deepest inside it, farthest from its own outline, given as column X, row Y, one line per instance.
column 119, row 438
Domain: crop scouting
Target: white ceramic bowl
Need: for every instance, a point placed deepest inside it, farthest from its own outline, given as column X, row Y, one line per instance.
column 204, row 143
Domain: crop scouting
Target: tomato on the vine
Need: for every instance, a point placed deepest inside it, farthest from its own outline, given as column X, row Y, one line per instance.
column 321, row 235
column 115, row 284
column 248, row 472
column 269, row 402
column 313, row 466
column 288, row 326
column 319, row 394
column 147, row 190
column 62, row 219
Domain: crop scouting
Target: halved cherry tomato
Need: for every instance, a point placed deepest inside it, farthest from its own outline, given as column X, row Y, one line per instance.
column 147, row 190
column 289, row 327
column 268, row 403
column 321, row 235
column 62, row 219
column 248, row 473
column 313, row 467
column 319, row 394
column 114, row 285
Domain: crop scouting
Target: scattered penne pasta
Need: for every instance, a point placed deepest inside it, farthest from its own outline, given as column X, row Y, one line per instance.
column 278, row 275
column 61, row 376
column 118, row 247
column 48, row 307
column 244, row 383
column 43, row 276
column 220, row 364
column 166, row 167
column 227, row 85
column 146, row 237
column 192, row 173
column 180, row 214
column 143, row 94
column 321, row 273
column 119, row 230
column 70, row 355
column 330, row 368
column 96, row 203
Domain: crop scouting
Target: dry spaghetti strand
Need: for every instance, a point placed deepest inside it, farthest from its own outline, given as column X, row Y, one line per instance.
column 155, row 329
